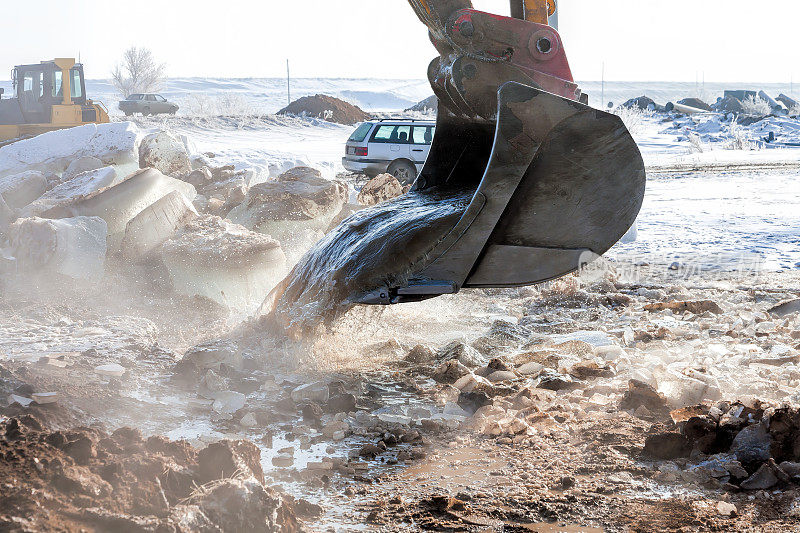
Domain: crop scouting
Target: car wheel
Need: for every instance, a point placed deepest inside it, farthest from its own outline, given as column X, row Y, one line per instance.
column 145, row 111
column 404, row 171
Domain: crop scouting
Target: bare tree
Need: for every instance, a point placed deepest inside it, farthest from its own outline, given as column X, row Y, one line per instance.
column 138, row 72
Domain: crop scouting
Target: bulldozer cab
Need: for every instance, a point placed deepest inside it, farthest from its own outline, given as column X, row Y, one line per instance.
column 41, row 86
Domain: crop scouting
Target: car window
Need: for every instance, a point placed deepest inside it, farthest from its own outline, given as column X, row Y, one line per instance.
column 150, row 98
column 55, row 86
column 135, row 97
column 361, row 133
column 160, row 98
column 422, row 135
column 392, row 134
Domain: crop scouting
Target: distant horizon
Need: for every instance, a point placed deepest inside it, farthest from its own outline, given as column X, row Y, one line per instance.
column 246, row 78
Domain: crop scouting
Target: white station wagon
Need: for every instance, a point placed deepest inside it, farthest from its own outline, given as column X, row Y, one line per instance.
column 397, row 147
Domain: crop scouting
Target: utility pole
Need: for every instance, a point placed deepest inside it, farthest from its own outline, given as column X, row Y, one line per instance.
column 603, row 87
column 288, row 83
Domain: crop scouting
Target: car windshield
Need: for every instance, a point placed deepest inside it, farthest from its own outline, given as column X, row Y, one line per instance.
column 361, row 133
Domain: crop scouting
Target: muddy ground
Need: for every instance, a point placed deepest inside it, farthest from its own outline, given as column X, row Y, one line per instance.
column 512, row 410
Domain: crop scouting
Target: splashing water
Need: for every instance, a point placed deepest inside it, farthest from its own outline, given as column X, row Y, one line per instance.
column 375, row 247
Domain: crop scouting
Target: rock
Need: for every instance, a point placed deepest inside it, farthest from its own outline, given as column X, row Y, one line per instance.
column 380, row 189
column 341, row 403
column 555, row 381
column 369, row 451
column 449, row 371
column 730, row 104
column 787, row 308
column 695, row 307
column 530, row 369
column 224, row 262
column 752, row 445
column 165, row 153
column 641, row 394
column 119, row 204
column 667, row 446
column 696, row 103
column 156, row 224
column 726, row 509
column 211, row 355
column 311, row 392
column 110, row 370
column 791, row 469
column 67, row 191
column 79, row 166
column 643, row 102
column 72, row 247
column 763, row 479
column 225, row 458
column 421, row 354
column 239, row 504
column 462, row 352
column 298, row 201
column 501, row 375
column 471, row 382
column 283, row 461
column 335, row 426
column 590, row 370
column 227, row 402
column 249, row 421
column 22, row 189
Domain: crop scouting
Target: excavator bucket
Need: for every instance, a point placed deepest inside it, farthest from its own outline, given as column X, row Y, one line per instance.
column 546, row 183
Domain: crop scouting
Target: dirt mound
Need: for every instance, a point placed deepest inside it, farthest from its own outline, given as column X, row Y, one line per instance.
column 84, row 479
column 327, row 108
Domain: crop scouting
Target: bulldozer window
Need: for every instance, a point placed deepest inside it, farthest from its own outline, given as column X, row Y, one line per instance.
column 32, row 83
column 75, row 89
column 58, row 89
column 392, row 134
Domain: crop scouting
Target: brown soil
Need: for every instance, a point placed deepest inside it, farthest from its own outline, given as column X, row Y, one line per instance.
column 327, row 108
column 84, row 479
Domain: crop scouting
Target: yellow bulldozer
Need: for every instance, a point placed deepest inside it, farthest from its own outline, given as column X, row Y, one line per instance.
column 50, row 95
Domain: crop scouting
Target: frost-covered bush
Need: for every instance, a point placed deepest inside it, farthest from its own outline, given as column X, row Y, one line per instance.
column 756, row 106
column 696, row 143
column 738, row 138
column 633, row 118
column 228, row 105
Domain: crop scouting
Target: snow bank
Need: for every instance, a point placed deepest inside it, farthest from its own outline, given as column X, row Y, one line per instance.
column 113, row 144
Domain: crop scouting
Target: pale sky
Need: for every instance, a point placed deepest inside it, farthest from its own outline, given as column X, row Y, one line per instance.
column 639, row 40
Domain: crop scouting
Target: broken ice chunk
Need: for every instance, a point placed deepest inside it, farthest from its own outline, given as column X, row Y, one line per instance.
column 119, row 204
column 298, row 201
column 155, row 225
column 79, row 186
column 20, row 190
column 45, row 398
column 165, row 153
column 73, row 247
column 79, row 166
column 111, row 370
column 225, row 262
